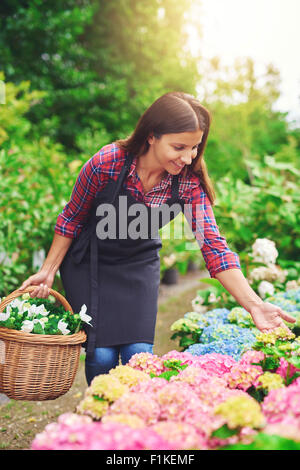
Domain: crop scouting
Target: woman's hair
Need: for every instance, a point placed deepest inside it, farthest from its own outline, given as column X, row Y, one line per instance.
column 173, row 113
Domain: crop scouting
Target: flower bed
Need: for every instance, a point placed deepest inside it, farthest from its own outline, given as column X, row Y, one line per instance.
column 228, row 331
column 186, row 401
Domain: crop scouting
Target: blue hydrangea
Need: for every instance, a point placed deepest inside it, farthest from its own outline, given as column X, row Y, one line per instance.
column 231, row 348
column 218, row 315
column 222, row 331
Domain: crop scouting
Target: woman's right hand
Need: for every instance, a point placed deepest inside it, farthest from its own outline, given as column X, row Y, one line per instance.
column 43, row 280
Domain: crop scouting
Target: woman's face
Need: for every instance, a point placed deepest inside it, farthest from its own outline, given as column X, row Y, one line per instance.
column 173, row 151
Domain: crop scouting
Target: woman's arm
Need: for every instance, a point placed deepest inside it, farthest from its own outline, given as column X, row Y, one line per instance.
column 44, row 278
column 266, row 316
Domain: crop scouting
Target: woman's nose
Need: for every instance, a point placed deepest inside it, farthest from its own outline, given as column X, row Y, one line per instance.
column 186, row 158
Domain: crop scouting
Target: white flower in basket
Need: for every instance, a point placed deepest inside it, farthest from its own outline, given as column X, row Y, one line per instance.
column 5, row 315
column 83, row 316
column 62, row 326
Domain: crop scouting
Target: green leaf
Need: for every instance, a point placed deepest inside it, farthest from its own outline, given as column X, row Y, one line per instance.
column 266, row 442
column 295, row 361
column 212, row 282
column 96, row 397
column 270, row 363
column 224, row 432
column 168, row 374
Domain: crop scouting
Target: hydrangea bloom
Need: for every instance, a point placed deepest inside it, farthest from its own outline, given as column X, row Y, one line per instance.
column 264, row 251
column 277, row 333
column 269, row 381
column 215, row 364
column 147, row 362
column 107, row 386
column 289, row 428
column 282, row 403
column 241, row 317
column 264, row 288
column 233, row 348
column 175, row 399
column 243, row 376
column 224, row 331
column 240, row 412
column 185, row 357
column 92, row 407
column 285, row 367
column 150, row 387
column 252, row 357
column 182, row 435
column 71, row 433
column 140, row 404
column 183, row 323
column 125, row 418
column 129, row 376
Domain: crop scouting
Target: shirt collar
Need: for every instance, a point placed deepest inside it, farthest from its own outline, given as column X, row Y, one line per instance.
column 166, row 181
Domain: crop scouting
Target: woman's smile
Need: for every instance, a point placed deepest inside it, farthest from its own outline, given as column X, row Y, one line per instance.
column 178, row 166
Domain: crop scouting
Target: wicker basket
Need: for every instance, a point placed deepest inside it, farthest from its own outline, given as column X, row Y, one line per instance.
column 37, row 367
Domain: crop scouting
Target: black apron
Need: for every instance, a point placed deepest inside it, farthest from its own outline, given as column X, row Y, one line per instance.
column 118, row 279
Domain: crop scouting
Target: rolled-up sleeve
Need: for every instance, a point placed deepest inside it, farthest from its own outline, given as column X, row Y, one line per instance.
column 216, row 253
column 71, row 220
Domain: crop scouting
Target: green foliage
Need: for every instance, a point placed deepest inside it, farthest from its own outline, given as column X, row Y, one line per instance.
column 99, row 61
column 224, row 432
column 275, row 345
column 175, row 367
column 244, row 124
column 264, row 441
column 269, row 208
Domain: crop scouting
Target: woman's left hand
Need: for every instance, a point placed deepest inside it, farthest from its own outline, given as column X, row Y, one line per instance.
column 267, row 317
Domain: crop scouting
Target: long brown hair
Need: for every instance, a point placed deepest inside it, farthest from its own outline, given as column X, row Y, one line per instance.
column 173, row 113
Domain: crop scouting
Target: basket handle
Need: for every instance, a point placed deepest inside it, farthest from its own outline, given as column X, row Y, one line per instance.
column 18, row 293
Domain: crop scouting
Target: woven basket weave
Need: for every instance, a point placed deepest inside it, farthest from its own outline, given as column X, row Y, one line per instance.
column 37, row 367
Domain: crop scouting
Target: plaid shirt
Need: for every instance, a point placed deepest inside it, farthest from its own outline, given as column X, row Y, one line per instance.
column 106, row 164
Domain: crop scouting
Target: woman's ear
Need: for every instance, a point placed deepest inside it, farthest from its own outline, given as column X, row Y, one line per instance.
column 150, row 139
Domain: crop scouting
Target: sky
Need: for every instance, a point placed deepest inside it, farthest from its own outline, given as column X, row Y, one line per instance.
column 268, row 31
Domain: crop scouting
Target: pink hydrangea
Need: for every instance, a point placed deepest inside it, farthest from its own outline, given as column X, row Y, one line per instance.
column 251, row 356
column 150, row 387
column 182, row 435
column 70, row 434
column 142, row 405
column 147, row 362
column 289, row 428
column 184, row 357
column 283, row 368
column 215, row 363
column 243, row 376
column 282, row 403
column 209, row 388
column 175, row 400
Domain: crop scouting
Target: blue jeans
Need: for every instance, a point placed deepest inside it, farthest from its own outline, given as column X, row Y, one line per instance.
column 104, row 359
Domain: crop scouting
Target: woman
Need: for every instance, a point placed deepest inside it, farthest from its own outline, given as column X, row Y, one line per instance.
column 117, row 277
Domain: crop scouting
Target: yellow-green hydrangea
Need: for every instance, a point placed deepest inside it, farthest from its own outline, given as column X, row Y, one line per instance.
column 108, row 387
column 129, row 376
column 278, row 333
column 180, row 324
column 129, row 419
column 92, row 407
column 270, row 381
column 241, row 411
